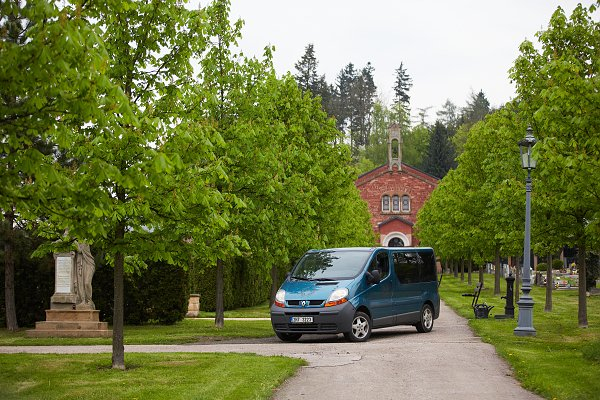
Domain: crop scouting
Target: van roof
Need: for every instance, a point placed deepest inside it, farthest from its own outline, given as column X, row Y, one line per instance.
column 371, row 249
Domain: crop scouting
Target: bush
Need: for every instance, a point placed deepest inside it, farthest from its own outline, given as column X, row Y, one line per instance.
column 541, row 267
column 557, row 264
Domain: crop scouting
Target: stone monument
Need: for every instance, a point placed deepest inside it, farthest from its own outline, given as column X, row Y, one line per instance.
column 72, row 312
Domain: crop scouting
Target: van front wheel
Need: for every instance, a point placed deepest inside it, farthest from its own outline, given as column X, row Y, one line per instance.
column 288, row 337
column 426, row 323
column 361, row 328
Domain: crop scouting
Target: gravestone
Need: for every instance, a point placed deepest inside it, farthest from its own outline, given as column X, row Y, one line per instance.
column 72, row 312
column 65, row 297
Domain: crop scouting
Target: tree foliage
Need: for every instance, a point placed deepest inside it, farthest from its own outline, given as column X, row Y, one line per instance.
column 481, row 202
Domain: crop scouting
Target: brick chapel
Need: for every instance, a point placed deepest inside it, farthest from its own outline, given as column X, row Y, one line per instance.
column 395, row 192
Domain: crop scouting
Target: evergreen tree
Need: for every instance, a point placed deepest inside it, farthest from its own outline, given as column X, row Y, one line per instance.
column 309, row 80
column 440, row 154
column 402, row 86
column 477, row 108
column 307, row 77
column 343, row 96
column 363, row 97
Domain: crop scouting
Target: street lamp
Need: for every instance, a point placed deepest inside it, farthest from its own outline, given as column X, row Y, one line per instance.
column 525, row 303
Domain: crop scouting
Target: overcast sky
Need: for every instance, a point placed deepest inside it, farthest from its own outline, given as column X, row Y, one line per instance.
column 450, row 48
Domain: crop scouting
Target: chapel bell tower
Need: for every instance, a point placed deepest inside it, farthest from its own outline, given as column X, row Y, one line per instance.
column 394, row 147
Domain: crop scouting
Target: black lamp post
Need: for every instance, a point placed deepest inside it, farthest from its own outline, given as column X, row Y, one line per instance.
column 525, row 303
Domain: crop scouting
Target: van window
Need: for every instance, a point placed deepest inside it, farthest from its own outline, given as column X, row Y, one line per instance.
column 330, row 265
column 381, row 263
column 428, row 271
column 413, row 267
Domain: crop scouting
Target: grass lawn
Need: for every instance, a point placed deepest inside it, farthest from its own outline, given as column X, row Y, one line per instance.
column 148, row 376
column 260, row 311
column 186, row 331
column 562, row 361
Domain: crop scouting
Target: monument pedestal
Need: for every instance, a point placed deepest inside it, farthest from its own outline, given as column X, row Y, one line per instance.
column 71, row 323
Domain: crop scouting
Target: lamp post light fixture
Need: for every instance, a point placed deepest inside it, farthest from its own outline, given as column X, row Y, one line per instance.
column 525, row 303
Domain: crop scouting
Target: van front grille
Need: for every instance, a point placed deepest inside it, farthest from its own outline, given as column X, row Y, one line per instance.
column 311, row 303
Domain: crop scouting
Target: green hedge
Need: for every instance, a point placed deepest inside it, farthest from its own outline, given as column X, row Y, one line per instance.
column 245, row 285
column 34, row 280
column 158, row 294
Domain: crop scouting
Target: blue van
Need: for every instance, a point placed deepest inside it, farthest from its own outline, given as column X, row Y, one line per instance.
column 355, row 290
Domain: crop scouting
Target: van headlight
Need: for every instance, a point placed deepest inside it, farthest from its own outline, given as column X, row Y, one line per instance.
column 280, row 298
column 337, row 297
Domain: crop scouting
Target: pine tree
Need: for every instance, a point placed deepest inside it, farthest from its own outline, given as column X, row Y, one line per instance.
column 309, row 80
column 363, row 97
column 440, row 154
column 402, row 86
column 477, row 108
column 343, row 96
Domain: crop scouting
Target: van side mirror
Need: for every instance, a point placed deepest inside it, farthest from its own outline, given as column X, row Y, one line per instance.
column 374, row 276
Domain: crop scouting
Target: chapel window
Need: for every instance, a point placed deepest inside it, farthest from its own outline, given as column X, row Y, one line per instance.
column 385, row 203
column 406, row 203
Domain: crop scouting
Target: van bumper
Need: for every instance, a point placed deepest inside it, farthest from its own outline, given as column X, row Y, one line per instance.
column 337, row 319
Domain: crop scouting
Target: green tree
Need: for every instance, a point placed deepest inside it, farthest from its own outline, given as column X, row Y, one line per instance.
column 558, row 87
column 440, row 153
column 142, row 188
column 52, row 68
column 402, row 86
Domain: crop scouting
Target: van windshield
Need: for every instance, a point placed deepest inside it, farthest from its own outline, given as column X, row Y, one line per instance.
column 330, row 265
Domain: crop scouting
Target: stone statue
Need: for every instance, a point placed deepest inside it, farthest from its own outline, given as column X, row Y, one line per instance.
column 85, row 273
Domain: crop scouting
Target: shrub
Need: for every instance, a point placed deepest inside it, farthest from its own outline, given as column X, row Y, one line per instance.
column 557, row 264
column 541, row 267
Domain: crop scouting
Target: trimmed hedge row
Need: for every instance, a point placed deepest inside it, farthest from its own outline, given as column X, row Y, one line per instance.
column 245, row 285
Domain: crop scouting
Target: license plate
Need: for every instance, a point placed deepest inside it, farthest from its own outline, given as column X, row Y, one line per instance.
column 301, row 320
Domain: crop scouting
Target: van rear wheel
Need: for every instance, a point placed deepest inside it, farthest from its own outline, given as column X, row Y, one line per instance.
column 426, row 323
column 361, row 328
column 288, row 337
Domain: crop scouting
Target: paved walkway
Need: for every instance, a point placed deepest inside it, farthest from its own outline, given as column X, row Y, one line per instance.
column 447, row 363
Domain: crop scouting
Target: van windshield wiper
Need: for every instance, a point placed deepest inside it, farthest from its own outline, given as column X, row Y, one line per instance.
column 300, row 278
column 325, row 280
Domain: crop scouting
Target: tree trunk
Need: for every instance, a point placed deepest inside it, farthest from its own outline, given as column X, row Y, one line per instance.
column 497, row 271
column 462, row 270
column 582, row 314
column 220, row 309
column 118, row 349
column 455, row 268
column 274, row 284
column 470, row 271
column 481, row 268
column 549, row 284
column 9, row 273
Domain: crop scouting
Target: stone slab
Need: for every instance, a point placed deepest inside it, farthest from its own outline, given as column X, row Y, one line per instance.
column 72, row 315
